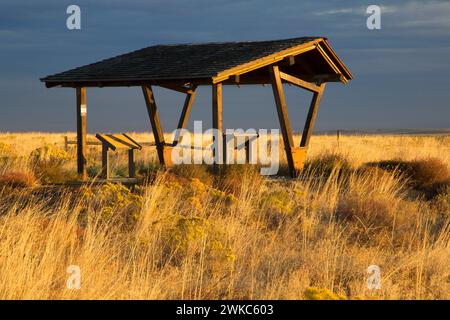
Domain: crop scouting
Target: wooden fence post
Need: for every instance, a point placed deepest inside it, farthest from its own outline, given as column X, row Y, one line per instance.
column 337, row 136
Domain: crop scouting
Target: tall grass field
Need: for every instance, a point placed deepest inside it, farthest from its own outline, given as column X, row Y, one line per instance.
column 189, row 233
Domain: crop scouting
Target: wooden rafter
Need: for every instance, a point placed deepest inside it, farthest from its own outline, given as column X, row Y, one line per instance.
column 326, row 46
column 291, row 60
column 331, row 63
column 299, row 82
column 178, row 88
column 177, row 85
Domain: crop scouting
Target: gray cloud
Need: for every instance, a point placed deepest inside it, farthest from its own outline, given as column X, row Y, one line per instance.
column 390, row 65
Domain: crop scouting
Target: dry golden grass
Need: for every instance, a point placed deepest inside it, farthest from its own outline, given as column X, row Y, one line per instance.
column 191, row 235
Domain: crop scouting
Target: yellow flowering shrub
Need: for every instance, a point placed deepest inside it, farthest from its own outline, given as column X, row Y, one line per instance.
column 224, row 252
column 198, row 194
column 86, row 192
column 48, row 163
column 49, row 155
column 313, row 293
column 173, row 185
column 374, row 297
column 197, row 187
column 218, row 195
column 6, row 150
column 278, row 201
column 117, row 199
column 196, row 234
column 190, row 229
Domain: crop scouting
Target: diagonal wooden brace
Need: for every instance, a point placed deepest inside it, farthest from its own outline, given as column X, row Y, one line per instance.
column 184, row 117
column 164, row 151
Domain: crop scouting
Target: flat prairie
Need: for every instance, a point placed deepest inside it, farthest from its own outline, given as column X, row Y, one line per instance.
column 188, row 233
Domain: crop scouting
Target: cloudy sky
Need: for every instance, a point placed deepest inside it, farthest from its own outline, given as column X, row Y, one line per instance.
column 402, row 72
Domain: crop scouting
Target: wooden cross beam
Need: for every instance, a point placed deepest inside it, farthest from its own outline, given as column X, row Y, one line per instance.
column 299, row 82
column 81, row 132
column 178, row 88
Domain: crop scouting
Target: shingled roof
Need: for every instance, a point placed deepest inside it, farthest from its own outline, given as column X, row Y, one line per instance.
column 206, row 63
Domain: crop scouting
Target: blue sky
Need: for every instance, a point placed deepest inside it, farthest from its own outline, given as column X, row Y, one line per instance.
column 402, row 72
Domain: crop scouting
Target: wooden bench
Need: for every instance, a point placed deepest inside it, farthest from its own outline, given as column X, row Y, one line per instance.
column 113, row 142
column 246, row 139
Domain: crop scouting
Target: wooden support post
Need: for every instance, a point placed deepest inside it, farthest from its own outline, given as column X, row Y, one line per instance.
column 156, row 124
column 188, row 102
column 105, row 162
column 312, row 114
column 131, row 165
column 217, row 120
column 66, row 143
column 283, row 117
column 81, row 132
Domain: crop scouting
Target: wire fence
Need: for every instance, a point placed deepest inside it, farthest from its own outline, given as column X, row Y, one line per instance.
column 339, row 134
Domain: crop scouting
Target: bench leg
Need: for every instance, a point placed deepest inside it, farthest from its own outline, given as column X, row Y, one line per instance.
column 131, row 165
column 105, row 162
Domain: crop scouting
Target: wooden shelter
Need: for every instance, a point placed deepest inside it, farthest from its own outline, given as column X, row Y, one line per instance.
column 306, row 62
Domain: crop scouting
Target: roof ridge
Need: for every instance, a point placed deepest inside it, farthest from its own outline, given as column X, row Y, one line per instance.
column 234, row 42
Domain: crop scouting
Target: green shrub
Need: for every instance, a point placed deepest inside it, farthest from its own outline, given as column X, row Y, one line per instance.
column 94, row 171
